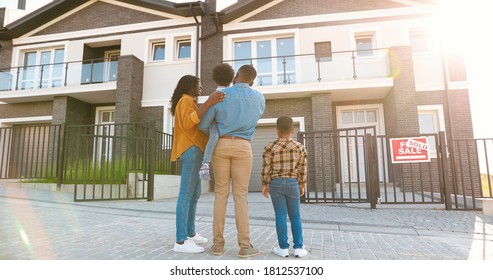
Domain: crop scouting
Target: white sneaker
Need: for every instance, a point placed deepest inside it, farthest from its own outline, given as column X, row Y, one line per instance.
column 197, row 238
column 283, row 253
column 300, row 252
column 188, row 247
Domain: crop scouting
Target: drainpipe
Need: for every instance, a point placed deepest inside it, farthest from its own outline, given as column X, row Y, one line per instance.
column 445, row 81
column 197, row 40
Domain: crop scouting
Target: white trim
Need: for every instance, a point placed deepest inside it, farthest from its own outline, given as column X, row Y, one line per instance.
column 145, row 10
column 10, row 121
column 83, row 6
column 229, row 40
column 378, row 106
column 326, row 18
column 101, row 31
column 437, row 108
column 103, row 108
column 257, row 11
column 18, row 59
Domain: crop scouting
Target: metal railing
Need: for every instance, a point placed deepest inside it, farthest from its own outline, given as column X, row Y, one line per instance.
column 30, row 152
column 102, row 162
column 314, row 68
column 56, row 75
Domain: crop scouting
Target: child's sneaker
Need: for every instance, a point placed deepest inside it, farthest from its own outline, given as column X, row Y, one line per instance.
column 283, row 253
column 204, row 172
column 300, row 252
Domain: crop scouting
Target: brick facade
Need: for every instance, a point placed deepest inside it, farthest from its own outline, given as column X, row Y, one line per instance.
column 129, row 90
column 296, row 8
column 26, row 110
column 99, row 15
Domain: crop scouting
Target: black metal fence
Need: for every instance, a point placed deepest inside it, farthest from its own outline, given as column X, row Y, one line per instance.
column 354, row 166
column 30, row 151
column 102, row 162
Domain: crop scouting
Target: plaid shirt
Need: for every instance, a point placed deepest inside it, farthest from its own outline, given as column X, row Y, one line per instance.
column 284, row 158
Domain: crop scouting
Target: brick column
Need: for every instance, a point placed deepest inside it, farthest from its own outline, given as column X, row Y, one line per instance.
column 322, row 114
column 129, row 90
column 401, row 111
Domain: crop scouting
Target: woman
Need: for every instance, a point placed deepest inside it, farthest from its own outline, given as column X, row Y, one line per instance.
column 188, row 146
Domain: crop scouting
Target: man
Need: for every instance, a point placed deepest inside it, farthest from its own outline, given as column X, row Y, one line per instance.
column 236, row 117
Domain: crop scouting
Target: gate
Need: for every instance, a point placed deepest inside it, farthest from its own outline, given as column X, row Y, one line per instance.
column 341, row 166
column 110, row 161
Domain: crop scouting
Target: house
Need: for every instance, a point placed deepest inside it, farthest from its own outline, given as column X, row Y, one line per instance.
column 329, row 64
column 342, row 64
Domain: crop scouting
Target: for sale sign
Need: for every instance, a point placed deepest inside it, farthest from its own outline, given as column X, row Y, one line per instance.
column 414, row 149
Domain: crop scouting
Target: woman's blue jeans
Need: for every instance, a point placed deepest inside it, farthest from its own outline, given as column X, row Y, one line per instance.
column 190, row 190
column 285, row 195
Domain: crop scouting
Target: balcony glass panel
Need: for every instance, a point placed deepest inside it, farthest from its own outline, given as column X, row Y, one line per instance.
column 307, row 68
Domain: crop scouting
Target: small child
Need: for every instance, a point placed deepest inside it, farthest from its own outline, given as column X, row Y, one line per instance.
column 223, row 75
column 284, row 173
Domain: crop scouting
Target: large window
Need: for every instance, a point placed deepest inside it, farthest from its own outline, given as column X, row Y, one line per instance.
column 273, row 59
column 42, row 69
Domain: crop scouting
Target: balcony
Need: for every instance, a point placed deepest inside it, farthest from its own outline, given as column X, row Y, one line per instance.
column 78, row 78
column 348, row 75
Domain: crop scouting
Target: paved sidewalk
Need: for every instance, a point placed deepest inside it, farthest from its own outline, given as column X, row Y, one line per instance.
column 36, row 224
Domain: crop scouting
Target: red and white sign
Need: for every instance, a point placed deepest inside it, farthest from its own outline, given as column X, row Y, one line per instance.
column 415, row 149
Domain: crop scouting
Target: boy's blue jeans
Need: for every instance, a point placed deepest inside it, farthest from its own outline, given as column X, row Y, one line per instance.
column 190, row 190
column 285, row 196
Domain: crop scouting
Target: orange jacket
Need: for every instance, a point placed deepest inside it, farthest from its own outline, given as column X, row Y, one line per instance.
column 186, row 132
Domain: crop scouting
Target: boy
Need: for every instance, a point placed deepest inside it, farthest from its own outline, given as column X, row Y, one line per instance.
column 284, row 173
column 222, row 75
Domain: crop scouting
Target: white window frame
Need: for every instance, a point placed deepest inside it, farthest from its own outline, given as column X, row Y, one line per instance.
column 153, row 44
column 437, row 112
column 365, row 35
column 266, row 36
column 179, row 41
column 427, row 39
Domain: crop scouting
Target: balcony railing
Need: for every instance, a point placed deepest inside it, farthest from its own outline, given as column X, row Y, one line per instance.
column 59, row 74
column 316, row 68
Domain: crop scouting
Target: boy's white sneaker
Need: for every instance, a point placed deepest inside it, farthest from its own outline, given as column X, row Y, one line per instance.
column 283, row 253
column 197, row 238
column 187, row 247
column 300, row 252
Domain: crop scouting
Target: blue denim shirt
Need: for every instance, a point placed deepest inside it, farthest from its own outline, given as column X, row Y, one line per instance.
column 238, row 114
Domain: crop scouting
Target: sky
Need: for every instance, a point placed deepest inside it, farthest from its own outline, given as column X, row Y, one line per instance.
column 470, row 21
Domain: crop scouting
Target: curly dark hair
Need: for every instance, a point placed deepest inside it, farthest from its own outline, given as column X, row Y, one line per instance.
column 223, row 74
column 186, row 84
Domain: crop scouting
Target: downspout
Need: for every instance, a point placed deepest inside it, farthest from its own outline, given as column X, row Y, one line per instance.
column 197, row 41
column 446, row 87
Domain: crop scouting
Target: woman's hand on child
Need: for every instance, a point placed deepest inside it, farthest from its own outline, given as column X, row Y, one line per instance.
column 216, row 97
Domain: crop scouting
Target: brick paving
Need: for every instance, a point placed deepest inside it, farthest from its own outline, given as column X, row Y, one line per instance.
column 44, row 225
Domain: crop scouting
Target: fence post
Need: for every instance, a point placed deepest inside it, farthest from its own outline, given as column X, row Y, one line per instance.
column 370, row 162
column 151, row 151
column 60, row 156
column 445, row 178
